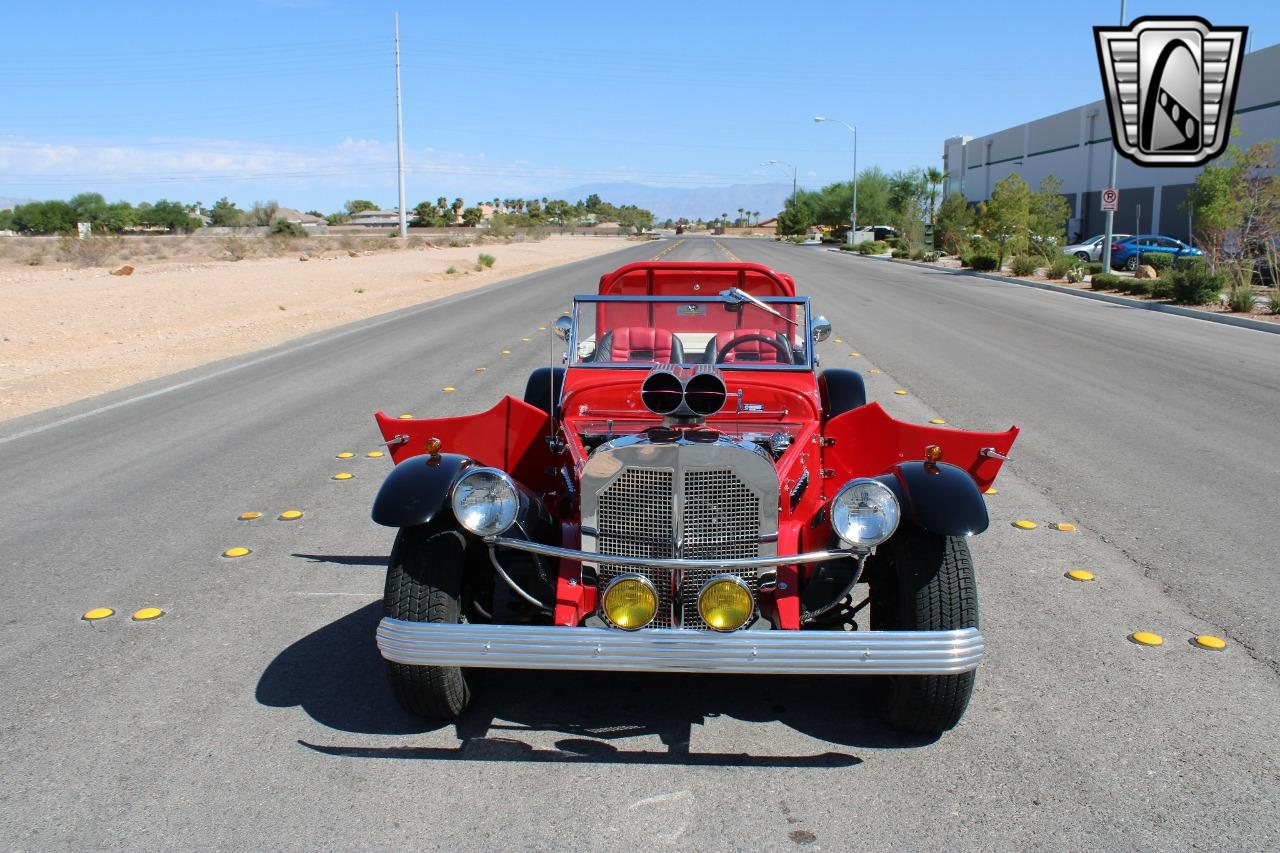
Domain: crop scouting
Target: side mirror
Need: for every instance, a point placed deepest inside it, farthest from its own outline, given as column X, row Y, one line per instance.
column 563, row 326
column 821, row 329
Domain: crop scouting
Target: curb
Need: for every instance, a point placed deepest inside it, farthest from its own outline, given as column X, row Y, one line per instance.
column 1195, row 314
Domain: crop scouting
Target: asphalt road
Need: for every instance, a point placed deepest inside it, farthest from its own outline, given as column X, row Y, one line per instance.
column 255, row 713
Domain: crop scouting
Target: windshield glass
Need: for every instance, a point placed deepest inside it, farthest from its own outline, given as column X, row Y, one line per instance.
column 726, row 331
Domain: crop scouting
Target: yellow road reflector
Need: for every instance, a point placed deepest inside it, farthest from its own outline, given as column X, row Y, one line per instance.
column 991, row 490
column 938, row 421
column 1065, row 527
column 406, row 417
column 97, row 613
column 448, row 389
column 542, row 328
column 837, row 340
column 855, row 353
column 1023, row 524
column 250, row 516
column 525, row 340
column 342, row 476
column 1204, row 641
column 291, row 515
column 147, row 613
column 1146, row 638
column 237, row 551
column 901, row 392
column 375, row 454
column 506, row 352
column 481, row 369
column 874, row 370
column 1080, row 575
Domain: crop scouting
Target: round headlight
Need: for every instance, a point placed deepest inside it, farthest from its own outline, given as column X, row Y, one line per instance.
column 485, row 501
column 864, row 513
column 629, row 602
column 725, row 603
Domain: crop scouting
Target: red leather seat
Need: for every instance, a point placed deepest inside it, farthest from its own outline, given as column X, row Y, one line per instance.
column 753, row 350
column 639, row 343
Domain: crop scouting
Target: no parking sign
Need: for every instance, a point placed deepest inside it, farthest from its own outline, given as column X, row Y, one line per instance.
column 1110, row 200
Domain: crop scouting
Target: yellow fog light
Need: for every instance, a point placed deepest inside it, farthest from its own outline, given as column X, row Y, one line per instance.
column 725, row 603
column 629, row 602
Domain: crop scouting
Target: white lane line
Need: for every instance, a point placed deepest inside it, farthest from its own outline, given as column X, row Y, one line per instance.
column 398, row 315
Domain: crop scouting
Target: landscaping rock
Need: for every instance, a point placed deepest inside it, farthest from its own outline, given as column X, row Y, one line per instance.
column 124, row 270
column 1145, row 271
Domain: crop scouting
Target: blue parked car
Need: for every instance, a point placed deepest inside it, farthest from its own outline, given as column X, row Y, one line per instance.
column 1127, row 254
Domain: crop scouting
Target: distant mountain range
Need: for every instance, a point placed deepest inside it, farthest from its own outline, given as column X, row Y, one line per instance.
column 6, row 203
column 689, row 202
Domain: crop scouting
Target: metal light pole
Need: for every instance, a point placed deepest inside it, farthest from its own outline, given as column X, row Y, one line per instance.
column 1111, row 216
column 404, row 225
column 793, row 176
column 853, row 216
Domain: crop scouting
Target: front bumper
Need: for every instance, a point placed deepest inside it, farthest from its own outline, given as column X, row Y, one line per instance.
column 675, row 650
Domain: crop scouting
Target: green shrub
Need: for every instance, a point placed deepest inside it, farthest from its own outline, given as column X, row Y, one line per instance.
column 845, row 247
column 288, row 229
column 1023, row 265
column 917, row 254
column 1105, row 281
column 1241, row 300
column 1138, row 286
column 1075, row 275
column 873, row 247
column 902, row 253
column 485, row 260
column 930, row 257
column 1162, row 288
column 1160, row 262
column 1095, row 268
column 1274, row 302
column 1193, row 283
column 984, row 263
column 896, row 242
column 1060, row 266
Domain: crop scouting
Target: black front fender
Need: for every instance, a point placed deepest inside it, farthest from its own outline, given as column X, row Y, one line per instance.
column 418, row 489
column 940, row 498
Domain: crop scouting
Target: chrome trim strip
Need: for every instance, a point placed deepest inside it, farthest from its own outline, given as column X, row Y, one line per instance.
column 664, row 562
column 675, row 650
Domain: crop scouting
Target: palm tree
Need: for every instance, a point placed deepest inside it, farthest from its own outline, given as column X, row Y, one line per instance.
column 756, row 214
column 933, row 176
column 740, row 212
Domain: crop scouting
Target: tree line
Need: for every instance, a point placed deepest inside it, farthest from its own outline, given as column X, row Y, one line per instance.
column 61, row 217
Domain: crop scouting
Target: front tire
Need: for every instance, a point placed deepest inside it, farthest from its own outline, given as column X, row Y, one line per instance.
column 1084, row 256
column 424, row 583
column 924, row 582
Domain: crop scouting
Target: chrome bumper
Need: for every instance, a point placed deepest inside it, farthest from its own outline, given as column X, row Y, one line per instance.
column 674, row 650
column 669, row 562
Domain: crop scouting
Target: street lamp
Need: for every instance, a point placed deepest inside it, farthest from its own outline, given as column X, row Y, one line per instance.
column 853, row 216
column 793, row 176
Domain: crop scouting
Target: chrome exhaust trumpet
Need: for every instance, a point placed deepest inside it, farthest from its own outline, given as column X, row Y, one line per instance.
column 684, row 394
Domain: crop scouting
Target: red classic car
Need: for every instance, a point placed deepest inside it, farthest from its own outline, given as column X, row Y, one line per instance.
column 688, row 493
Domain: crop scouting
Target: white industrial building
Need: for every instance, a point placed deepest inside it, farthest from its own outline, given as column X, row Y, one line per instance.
column 1075, row 146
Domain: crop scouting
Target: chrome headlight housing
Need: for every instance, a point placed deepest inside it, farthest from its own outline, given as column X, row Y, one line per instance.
column 864, row 513
column 485, row 501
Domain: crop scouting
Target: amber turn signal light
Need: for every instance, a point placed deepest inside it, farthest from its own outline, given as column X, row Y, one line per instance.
column 933, row 454
column 432, row 446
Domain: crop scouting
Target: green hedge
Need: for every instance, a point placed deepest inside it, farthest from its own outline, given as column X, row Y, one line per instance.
column 1105, row 281
column 1023, row 265
column 984, row 263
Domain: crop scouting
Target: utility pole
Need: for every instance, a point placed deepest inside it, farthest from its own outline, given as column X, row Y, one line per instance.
column 1111, row 216
column 404, row 224
column 853, row 214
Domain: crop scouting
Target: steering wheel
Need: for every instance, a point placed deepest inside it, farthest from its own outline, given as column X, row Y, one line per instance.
column 784, row 356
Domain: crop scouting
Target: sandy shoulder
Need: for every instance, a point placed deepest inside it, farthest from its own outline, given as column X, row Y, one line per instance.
column 66, row 334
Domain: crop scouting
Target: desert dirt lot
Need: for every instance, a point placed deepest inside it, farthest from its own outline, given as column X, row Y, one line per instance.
column 68, row 333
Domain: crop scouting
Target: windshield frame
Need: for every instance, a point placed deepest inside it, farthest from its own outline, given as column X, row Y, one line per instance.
column 807, row 365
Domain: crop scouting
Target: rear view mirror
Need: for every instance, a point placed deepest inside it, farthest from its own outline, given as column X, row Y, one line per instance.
column 563, row 326
column 821, row 329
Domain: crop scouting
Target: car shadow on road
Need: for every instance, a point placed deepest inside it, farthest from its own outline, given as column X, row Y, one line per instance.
column 379, row 560
column 336, row 676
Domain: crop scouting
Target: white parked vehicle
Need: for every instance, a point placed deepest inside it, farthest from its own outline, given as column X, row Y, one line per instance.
column 1091, row 249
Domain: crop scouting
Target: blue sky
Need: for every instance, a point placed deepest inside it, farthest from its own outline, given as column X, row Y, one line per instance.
column 294, row 101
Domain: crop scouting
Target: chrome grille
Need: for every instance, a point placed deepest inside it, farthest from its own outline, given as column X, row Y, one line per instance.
column 636, row 521
column 720, row 519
